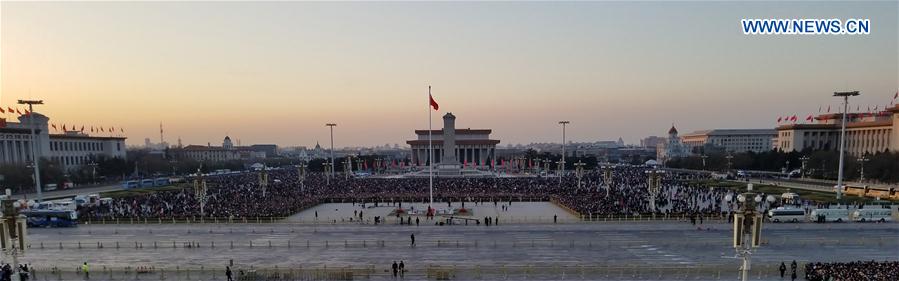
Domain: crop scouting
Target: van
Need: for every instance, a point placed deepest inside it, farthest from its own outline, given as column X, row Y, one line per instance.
column 881, row 215
column 830, row 215
column 782, row 214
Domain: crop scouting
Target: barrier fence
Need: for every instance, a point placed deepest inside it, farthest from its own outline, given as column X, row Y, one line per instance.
column 811, row 243
column 585, row 218
column 428, row 271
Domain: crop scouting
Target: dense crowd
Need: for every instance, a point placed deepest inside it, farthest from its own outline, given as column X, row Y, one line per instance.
column 240, row 195
column 853, row 271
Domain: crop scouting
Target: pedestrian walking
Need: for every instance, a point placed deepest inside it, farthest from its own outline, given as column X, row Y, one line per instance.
column 402, row 269
column 416, row 221
column 86, row 270
column 229, row 274
column 555, row 218
column 395, row 268
column 793, row 276
column 783, row 269
column 412, row 237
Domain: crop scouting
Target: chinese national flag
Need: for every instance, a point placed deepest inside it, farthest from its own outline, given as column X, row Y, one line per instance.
column 431, row 100
column 19, row 112
column 63, row 127
column 2, row 111
column 779, row 119
column 809, row 118
column 9, row 109
column 54, row 126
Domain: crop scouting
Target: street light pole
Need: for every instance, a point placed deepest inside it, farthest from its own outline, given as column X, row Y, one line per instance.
column 331, row 126
column 34, row 158
column 862, row 161
column 579, row 171
column 845, row 96
column 747, row 220
column 804, row 171
column 562, row 169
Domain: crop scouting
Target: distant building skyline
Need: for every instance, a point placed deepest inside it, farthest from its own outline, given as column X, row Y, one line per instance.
column 276, row 72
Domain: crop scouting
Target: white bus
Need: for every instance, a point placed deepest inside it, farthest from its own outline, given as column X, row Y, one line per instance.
column 880, row 215
column 782, row 214
column 830, row 215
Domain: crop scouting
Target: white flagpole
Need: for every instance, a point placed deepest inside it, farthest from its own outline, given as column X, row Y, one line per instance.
column 430, row 155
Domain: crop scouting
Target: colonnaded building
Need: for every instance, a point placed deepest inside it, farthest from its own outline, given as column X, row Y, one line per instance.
column 472, row 147
column 733, row 140
column 69, row 149
column 865, row 133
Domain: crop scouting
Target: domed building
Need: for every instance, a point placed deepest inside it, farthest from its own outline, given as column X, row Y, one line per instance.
column 673, row 147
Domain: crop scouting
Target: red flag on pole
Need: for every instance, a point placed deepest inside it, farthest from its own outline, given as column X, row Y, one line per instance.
column 828, row 109
column 9, row 109
column 82, row 128
column 63, row 127
column 809, row 118
column 779, row 119
column 2, row 111
column 431, row 100
column 794, row 118
column 19, row 112
column 54, row 126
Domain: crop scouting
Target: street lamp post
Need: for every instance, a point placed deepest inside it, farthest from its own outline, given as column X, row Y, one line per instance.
column 703, row 160
column 34, row 158
column 729, row 158
column 562, row 169
column 200, row 191
column 607, row 178
column 579, row 171
column 13, row 227
column 263, row 180
column 347, row 165
column 561, row 166
column 93, row 166
column 654, row 184
column 804, row 171
column 747, row 220
column 325, row 168
column 845, row 96
column 331, row 126
column 862, row 160
column 301, row 171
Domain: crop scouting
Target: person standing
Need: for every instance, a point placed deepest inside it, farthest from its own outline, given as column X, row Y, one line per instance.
column 793, row 275
column 86, row 270
column 395, row 267
column 783, row 269
column 793, row 266
column 402, row 269
column 229, row 274
column 412, row 237
column 416, row 221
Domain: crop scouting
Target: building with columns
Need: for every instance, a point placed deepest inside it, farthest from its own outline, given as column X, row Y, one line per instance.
column 69, row 149
column 865, row 133
column 732, row 140
column 471, row 147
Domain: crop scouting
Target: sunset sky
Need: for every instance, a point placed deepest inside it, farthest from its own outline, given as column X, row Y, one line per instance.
column 276, row 72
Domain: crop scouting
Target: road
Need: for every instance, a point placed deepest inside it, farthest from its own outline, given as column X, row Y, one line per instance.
column 615, row 247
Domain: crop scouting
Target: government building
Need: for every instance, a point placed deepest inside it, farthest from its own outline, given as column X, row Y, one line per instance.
column 865, row 133
column 454, row 146
column 227, row 152
column 70, row 149
column 732, row 140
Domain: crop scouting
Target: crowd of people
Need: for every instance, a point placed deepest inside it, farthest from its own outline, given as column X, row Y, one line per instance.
column 853, row 271
column 241, row 195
